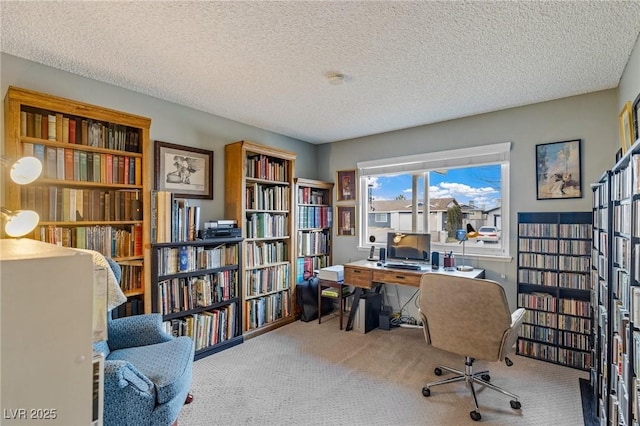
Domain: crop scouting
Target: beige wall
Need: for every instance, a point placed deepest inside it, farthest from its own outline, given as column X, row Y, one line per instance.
column 169, row 122
column 591, row 117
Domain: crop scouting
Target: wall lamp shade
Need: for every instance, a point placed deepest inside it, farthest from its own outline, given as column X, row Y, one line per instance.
column 25, row 170
column 19, row 222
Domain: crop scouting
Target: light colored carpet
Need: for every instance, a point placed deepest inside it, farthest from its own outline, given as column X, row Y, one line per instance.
column 310, row 374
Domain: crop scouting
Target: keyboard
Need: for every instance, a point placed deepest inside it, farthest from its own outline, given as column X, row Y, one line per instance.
column 409, row 266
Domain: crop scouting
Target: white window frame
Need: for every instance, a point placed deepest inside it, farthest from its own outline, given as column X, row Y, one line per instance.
column 498, row 153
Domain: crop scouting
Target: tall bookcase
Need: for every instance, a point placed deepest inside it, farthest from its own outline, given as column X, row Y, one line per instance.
column 94, row 189
column 259, row 195
column 554, row 285
column 616, row 254
column 313, row 225
column 197, row 287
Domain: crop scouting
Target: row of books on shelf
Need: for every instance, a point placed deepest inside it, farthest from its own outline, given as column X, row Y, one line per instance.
column 131, row 278
column 626, row 182
column 57, row 204
column 260, row 166
column 267, row 309
column 310, row 264
column 315, row 217
column 267, row 225
column 264, row 197
column 172, row 218
column 550, row 322
column 548, row 302
column 308, row 195
column 173, row 260
column 578, row 281
column 313, row 243
column 622, row 218
column 85, row 166
column 181, row 294
column 124, row 241
column 553, row 261
column 57, row 127
column 569, row 357
column 205, row 328
column 538, row 230
column 266, row 252
column 265, row 280
column 133, row 306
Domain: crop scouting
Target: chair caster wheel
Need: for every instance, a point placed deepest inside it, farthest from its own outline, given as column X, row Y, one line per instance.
column 475, row 416
column 486, row 377
column 515, row 404
column 438, row 371
column 426, row 391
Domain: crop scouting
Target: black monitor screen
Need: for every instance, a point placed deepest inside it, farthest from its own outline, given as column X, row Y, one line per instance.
column 408, row 246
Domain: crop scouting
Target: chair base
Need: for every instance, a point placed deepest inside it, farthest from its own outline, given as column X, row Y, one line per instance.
column 469, row 377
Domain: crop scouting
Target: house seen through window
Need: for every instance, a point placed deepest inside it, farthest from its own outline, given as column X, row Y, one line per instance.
column 439, row 194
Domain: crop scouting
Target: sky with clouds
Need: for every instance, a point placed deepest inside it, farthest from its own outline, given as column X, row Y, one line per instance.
column 480, row 185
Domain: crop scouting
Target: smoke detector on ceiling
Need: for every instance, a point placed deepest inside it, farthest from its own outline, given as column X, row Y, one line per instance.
column 336, row 78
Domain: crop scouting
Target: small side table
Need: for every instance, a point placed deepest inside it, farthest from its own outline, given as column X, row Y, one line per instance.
column 341, row 297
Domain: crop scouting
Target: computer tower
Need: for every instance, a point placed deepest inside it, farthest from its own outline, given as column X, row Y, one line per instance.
column 368, row 315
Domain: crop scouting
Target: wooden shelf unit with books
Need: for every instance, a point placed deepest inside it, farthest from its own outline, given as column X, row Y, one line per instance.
column 94, row 189
column 554, row 285
column 197, row 287
column 313, row 225
column 259, row 196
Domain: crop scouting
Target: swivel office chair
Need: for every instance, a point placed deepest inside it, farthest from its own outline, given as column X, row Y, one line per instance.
column 468, row 317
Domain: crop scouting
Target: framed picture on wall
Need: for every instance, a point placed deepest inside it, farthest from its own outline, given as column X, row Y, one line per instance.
column 185, row 171
column 558, row 170
column 346, row 185
column 346, row 221
column 626, row 127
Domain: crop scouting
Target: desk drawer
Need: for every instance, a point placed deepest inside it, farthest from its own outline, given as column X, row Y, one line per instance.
column 397, row 277
column 358, row 277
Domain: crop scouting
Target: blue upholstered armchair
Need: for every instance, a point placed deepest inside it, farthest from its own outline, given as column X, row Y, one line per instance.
column 147, row 372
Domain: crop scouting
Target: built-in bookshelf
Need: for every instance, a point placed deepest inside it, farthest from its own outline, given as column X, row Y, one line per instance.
column 554, row 285
column 197, row 287
column 313, row 225
column 259, row 196
column 616, row 254
column 94, row 189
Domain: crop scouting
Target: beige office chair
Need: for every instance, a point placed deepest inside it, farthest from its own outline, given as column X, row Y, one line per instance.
column 468, row 317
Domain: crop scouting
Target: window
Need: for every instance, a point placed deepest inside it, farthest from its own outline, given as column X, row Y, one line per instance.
column 439, row 193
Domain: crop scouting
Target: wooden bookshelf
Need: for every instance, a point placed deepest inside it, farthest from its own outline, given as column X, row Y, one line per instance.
column 259, row 195
column 94, row 183
column 314, row 219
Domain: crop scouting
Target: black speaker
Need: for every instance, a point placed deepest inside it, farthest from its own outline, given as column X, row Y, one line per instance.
column 435, row 260
column 383, row 254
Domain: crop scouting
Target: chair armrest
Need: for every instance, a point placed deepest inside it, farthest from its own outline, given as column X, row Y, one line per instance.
column 126, row 390
column 137, row 330
column 511, row 335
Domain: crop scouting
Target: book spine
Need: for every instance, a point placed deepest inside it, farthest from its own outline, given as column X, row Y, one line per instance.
column 52, row 127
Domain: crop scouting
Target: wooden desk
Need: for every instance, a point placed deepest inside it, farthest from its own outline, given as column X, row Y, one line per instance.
column 368, row 275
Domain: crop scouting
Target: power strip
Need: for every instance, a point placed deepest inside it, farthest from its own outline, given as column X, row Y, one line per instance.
column 411, row 326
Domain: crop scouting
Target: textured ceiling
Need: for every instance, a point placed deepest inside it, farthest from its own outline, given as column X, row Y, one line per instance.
column 266, row 63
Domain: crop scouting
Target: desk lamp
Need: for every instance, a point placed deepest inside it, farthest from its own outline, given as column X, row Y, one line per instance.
column 463, row 235
column 23, row 171
column 19, row 222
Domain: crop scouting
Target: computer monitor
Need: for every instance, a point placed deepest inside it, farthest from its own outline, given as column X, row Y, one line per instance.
column 408, row 246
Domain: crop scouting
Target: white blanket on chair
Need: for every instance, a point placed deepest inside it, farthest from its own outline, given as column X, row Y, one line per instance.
column 115, row 296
